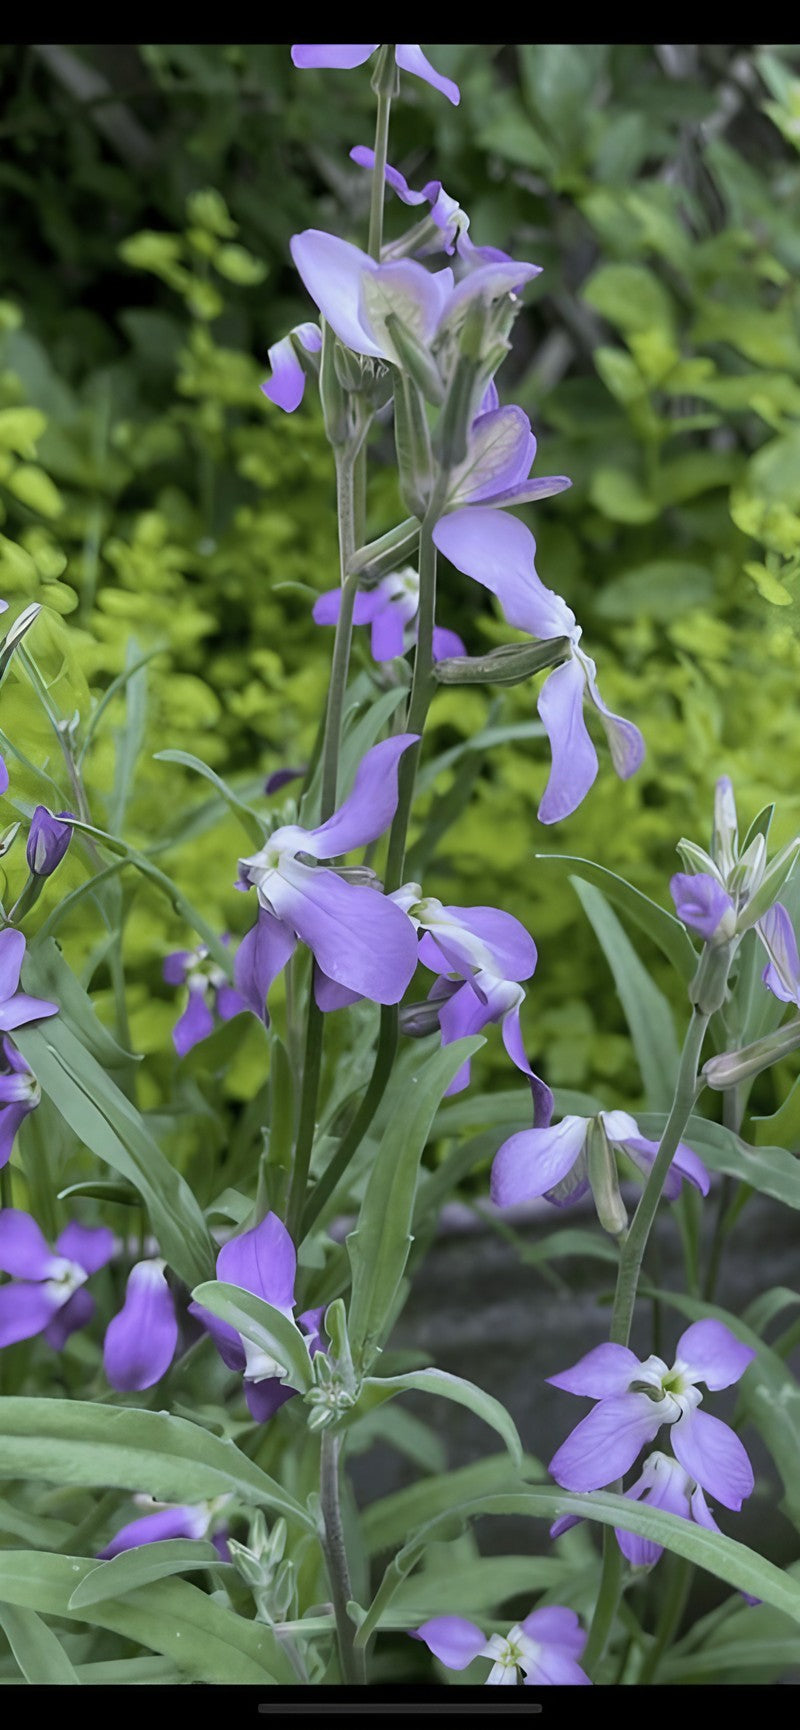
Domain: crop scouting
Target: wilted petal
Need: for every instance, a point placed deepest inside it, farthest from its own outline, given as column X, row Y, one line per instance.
column 365, row 158
column 701, row 902
column 606, row 1442
column 409, row 55
column 535, row 1160
column 515, row 1046
column 714, row 1456
column 782, row 973
column 453, row 1640
column 574, row 758
column 263, row 1261
column 625, row 742
column 713, row 1355
column 498, row 551
column 12, row 951
column 368, row 810
column 24, row 1252
column 261, row 956
column 360, row 938
column 183, row 1522
column 603, row 1372
column 91, row 1246
column 140, row 1342
column 76, row 1313
column 25, row 1310
column 196, row 1023
column 287, row 385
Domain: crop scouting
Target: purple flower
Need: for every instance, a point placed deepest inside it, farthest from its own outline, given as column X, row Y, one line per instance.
column 16, row 1007
column 545, row 1648
column 287, row 383
column 480, row 954
column 704, row 905
column 209, row 994
column 782, row 972
column 498, row 462
column 141, row 1339
column 498, row 551
column 663, row 1483
column 47, row 1295
column 263, row 1261
column 347, row 55
column 281, row 778
column 19, row 1093
column 444, row 230
column 389, row 608
column 361, row 941
column 633, row 1401
column 552, row 1161
column 48, row 840
column 168, row 1521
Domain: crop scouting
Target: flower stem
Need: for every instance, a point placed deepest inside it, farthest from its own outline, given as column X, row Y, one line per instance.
column 345, row 456
column 669, row 1620
column 422, row 689
column 353, row 1137
column 607, row 1600
column 352, row 1659
column 378, row 175
column 312, row 1065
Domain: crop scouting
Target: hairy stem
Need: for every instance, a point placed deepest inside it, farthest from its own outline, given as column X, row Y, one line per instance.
column 352, row 1659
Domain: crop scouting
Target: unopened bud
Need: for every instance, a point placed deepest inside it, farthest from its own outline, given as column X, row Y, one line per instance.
column 48, row 840
column 601, row 1166
column 735, row 1066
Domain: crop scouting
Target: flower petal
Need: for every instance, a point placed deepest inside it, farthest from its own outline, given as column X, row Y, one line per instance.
column 12, row 951
column 409, row 55
column 606, row 1442
column 19, row 1010
column 261, row 956
column 365, row 157
column 574, row 758
column 360, row 938
column 185, row 1522
column 265, row 1398
column 700, row 902
column 333, row 271
column 91, row 1246
column 555, row 1625
column 11, row 1116
column 604, row 1371
column 713, row 1354
column 140, row 1341
column 24, row 1251
column 782, row 972
column 714, row 1457
column 453, row 1640
column 328, row 995
column 446, row 643
column 686, row 1163
column 461, row 1014
column 344, row 55
column 76, row 1313
column 552, row 1666
column 226, row 1339
column 535, row 1160
column 25, row 1310
column 512, row 949
column 625, row 742
column 174, row 967
column 196, row 1023
column 368, row 810
column 498, row 551
column 387, row 639
column 500, row 453
column 262, row 1260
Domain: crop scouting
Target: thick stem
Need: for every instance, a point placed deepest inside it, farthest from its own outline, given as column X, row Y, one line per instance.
column 378, row 175
column 352, row 1659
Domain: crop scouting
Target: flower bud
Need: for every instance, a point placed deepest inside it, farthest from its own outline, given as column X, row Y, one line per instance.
column 725, row 843
column 48, row 840
column 602, row 1171
column 735, row 1066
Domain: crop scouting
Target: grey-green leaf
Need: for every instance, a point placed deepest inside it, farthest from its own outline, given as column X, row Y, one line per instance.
column 261, row 1322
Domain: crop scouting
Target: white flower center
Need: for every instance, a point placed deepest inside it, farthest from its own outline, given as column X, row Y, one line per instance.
column 65, row 1278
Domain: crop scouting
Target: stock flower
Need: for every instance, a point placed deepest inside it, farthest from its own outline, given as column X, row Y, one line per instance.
column 48, row 840
column 496, row 469
column 445, row 229
column 479, row 955
column 287, row 383
column 389, row 608
column 662, row 1483
column 633, row 1401
column 539, row 1161
column 545, row 1647
column 704, row 905
column 782, row 972
column 263, row 1261
column 19, row 1093
column 209, row 994
column 47, row 1295
column 498, row 551
column 141, row 1339
column 361, row 941
column 347, row 55
column 16, row 1007
column 169, row 1521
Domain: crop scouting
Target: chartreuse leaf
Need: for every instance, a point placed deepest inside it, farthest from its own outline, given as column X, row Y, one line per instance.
column 772, row 1170
column 205, row 1640
column 665, row 930
column 724, row 1557
column 377, row 1389
column 75, row 1442
column 647, row 1011
column 39, row 1653
column 378, row 1248
column 134, row 1568
column 109, row 1124
column 261, row 1322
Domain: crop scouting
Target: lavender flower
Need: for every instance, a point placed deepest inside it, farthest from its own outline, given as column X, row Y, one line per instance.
column 633, row 1401
column 390, row 608
column 263, row 1261
column 287, row 383
column 723, row 893
column 498, row 551
column 552, row 1161
column 782, row 972
column 662, row 1483
column 209, row 995
column 48, row 840
column 20, row 1093
column 47, row 1295
column 141, row 1339
column 16, row 1007
column 479, row 954
column 704, row 906
column 169, row 1521
column 362, row 942
column 444, row 230
column 347, row 55
column 544, row 1649
column 497, row 465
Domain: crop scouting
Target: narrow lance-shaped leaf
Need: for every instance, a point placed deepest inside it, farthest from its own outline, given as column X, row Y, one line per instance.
column 647, row 1011
column 134, row 1568
column 263, row 1324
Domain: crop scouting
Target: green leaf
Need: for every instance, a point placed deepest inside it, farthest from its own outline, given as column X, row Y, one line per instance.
column 447, row 1589
column 647, row 1011
column 630, row 297
column 205, row 1640
column 47, row 974
column 771, row 1170
column 377, row 1389
column 378, row 1248
column 665, row 930
column 253, row 827
column 663, row 589
column 39, row 1654
column 35, row 489
column 267, row 1327
column 78, row 1443
column 388, row 1522
column 106, row 1121
column 133, row 1568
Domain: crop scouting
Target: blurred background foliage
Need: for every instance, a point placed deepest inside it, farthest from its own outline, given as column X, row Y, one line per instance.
column 175, row 525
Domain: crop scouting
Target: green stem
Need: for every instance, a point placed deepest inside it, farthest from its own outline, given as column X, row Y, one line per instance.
column 352, row 1659
column 378, row 175
column 669, row 1620
column 422, row 689
column 345, row 457
column 353, row 1137
column 732, row 1113
column 607, row 1600
column 312, row 1065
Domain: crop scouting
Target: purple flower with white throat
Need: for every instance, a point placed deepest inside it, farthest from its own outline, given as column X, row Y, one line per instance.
column 633, row 1401
column 210, row 995
column 16, row 1007
column 347, row 55
column 48, row 840
column 553, row 1161
column 543, row 1649
column 391, row 608
column 287, row 382
column 196, row 1520
column 662, row 1483
column 362, row 943
column 47, row 1294
column 263, row 1261
column 142, row 1338
column 20, row 1093
column 498, row 551
column 480, row 955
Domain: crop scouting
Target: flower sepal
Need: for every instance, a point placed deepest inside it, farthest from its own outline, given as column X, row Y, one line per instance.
column 510, row 664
